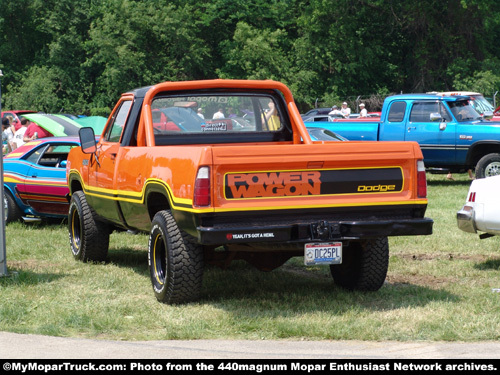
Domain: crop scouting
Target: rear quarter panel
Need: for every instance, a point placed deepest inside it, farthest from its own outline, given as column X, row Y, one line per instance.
column 487, row 205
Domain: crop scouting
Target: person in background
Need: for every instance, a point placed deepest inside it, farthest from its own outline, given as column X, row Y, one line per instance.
column 451, row 178
column 218, row 115
column 345, row 110
column 18, row 139
column 7, row 135
column 15, row 122
column 363, row 112
column 335, row 111
column 10, row 118
column 200, row 113
column 231, row 112
column 272, row 118
column 35, row 131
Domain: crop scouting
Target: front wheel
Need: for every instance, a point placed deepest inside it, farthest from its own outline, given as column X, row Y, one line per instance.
column 488, row 165
column 11, row 209
column 364, row 265
column 175, row 261
column 88, row 237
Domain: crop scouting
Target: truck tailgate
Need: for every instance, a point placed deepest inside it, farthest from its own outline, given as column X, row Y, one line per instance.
column 340, row 174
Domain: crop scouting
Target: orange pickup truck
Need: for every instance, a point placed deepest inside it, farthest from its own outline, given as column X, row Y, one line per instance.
column 219, row 170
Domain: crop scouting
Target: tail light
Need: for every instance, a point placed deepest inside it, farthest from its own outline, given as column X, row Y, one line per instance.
column 421, row 180
column 202, row 188
column 472, row 197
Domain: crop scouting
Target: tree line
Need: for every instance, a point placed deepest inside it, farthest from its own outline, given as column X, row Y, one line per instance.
column 78, row 56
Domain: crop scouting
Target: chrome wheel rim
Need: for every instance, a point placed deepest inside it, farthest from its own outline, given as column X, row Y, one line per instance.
column 5, row 209
column 492, row 169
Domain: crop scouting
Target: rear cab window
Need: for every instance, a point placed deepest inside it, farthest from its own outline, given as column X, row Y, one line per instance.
column 397, row 112
column 219, row 117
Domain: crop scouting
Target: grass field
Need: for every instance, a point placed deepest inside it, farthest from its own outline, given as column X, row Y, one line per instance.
column 439, row 287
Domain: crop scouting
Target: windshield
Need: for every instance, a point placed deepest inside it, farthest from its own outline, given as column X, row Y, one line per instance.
column 463, row 111
column 480, row 104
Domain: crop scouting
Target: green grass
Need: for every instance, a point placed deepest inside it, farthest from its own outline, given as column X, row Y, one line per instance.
column 439, row 287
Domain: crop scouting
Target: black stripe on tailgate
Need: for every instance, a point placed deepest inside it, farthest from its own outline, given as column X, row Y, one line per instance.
column 313, row 183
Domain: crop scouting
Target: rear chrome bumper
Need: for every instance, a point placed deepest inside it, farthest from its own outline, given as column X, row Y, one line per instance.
column 465, row 219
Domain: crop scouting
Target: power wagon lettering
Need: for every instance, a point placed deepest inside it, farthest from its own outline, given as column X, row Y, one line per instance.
column 313, row 183
column 273, row 184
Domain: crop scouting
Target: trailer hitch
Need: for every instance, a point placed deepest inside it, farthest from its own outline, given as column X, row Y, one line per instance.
column 324, row 230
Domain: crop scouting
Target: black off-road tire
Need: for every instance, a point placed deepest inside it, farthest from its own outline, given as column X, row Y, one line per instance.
column 11, row 209
column 364, row 265
column 488, row 165
column 88, row 237
column 175, row 261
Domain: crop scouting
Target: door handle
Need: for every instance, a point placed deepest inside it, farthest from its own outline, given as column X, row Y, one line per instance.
column 411, row 127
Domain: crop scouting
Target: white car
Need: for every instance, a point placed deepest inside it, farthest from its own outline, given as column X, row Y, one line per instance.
column 481, row 212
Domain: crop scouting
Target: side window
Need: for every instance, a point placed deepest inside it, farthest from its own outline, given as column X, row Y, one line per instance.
column 51, row 155
column 444, row 113
column 114, row 132
column 421, row 111
column 35, row 155
column 397, row 112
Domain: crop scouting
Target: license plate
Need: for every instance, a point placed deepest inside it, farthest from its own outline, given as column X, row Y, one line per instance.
column 323, row 253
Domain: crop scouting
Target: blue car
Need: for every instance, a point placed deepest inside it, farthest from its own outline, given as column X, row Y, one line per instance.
column 35, row 179
column 322, row 134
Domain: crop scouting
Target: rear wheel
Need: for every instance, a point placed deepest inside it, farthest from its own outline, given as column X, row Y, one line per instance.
column 488, row 165
column 364, row 265
column 175, row 261
column 88, row 237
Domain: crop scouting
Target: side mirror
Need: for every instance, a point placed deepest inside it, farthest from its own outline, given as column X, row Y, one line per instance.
column 87, row 140
column 488, row 115
column 442, row 126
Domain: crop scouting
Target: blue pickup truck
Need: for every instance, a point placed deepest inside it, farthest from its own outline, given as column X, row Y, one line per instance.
column 451, row 134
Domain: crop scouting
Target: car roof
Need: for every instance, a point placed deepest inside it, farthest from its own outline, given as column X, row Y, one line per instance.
column 17, row 112
column 57, row 139
column 20, row 151
column 450, row 98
